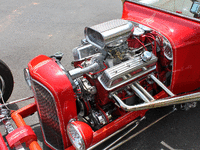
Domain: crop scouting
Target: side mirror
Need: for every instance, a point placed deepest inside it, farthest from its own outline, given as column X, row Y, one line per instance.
column 195, row 9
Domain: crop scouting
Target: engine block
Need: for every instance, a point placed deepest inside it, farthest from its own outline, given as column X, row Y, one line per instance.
column 127, row 71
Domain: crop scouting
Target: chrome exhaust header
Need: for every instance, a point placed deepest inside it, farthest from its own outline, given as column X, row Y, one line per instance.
column 157, row 103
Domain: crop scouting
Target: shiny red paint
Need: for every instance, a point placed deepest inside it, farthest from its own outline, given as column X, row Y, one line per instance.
column 36, row 69
column 99, row 135
column 102, row 95
column 2, row 143
column 18, row 116
column 119, row 123
column 24, row 134
column 114, row 126
column 47, row 72
column 184, row 36
column 86, row 132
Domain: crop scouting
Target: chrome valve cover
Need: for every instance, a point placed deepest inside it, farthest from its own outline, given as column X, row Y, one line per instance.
column 127, row 71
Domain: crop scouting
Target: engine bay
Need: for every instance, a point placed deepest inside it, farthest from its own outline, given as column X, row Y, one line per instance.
column 123, row 71
column 118, row 65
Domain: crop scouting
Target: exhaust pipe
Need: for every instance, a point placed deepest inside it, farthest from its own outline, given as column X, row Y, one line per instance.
column 158, row 103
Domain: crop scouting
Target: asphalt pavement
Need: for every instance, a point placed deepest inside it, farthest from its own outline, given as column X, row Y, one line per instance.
column 33, row 27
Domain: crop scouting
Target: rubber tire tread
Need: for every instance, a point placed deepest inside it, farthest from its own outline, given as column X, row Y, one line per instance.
column 7, row 76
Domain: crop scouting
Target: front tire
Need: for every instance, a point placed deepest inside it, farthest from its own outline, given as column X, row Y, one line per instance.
column 6, row 81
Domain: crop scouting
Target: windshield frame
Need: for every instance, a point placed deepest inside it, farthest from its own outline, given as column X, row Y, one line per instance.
column 163, row 10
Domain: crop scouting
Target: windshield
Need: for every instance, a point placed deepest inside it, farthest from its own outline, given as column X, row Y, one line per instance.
column 178, row 6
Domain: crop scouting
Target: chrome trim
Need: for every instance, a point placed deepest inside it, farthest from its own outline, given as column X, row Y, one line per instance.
column 158, row 103
column 71, row 137
column 161, row 85
column 105, row 33
column 139, row 93
column 134, row 77
column 137, row 133
column 27, row 77
column 77, row 72
column 144, row 91
column 130, row 137
column 84, row 52
column 138, row 32
column 126, row 133
column 16, row 101
column 2, row 88
column 167, row 50
column 113, row 134
column 146, row 56
column 39, row 112
column 145, row 28
column 118, row 72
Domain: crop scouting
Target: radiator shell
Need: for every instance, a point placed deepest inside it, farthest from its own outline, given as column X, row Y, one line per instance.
column 51, row 82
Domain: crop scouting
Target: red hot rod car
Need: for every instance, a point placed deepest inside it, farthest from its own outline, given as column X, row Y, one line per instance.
column 122, row 68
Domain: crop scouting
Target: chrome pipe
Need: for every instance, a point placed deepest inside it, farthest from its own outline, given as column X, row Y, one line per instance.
column 110, row 136
column 139, row 93
column 144, row 91
column 158, row 103
column 16, row 101
column 77, row 72
column 142, row 130
column 137, row 123
column 161, row 85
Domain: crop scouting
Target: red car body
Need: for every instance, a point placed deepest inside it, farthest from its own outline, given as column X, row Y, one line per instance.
column 46, row 74
column 183, row 35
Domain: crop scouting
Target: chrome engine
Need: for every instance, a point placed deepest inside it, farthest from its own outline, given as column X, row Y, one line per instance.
column 118, row 59
column 124, row 72
column 120, row 68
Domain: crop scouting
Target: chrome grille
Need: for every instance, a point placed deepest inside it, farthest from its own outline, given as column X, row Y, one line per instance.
column 168, row 52
column 48, row 116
